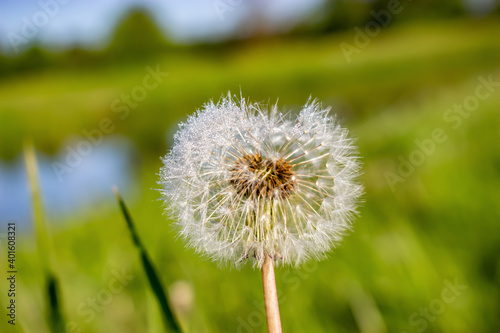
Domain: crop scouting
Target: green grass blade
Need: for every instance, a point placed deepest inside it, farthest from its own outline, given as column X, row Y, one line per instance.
column 55, row 316
column 41, row 235
column 54, row 312
column 154, row 280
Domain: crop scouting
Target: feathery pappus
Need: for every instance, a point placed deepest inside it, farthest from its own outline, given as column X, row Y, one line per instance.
column 244, row 181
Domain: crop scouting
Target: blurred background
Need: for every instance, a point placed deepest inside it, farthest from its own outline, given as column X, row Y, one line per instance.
column 100, row 86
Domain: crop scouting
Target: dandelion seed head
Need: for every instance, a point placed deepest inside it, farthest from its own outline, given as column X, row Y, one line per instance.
column 243, row 181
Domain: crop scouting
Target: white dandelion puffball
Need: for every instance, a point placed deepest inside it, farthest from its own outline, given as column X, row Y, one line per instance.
column 244, row 182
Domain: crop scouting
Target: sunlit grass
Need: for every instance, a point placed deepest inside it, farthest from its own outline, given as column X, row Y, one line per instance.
column 395, row 64
column 441, row 223
column 149, row 269
column 45, row 251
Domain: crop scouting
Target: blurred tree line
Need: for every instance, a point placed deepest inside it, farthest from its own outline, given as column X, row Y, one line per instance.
column 345, row 14
column 137, row 36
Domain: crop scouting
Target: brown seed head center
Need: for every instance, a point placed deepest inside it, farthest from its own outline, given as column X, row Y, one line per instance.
column 254, row 176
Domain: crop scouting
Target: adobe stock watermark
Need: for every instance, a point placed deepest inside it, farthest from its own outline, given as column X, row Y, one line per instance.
column 31, row 25
column 87, row 310
column 372, row 29
column 450, row 293
column 221, row 7
column 453, row 117
column 291, row 278
column 93, row 137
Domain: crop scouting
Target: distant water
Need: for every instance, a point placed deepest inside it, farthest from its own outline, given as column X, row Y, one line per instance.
column 87, row 185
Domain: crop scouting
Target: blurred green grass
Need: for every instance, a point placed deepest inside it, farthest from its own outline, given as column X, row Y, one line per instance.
column 441, row 223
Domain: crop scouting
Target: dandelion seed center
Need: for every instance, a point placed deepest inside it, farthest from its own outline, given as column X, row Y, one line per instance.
column 255, row 176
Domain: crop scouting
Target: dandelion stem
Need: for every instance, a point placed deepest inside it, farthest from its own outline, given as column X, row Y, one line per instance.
column 271, row 296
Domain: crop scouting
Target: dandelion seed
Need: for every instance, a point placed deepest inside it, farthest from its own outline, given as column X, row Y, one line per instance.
column 246, row 183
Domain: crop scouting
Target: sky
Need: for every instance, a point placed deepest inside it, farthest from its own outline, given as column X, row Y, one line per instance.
column 90, row 22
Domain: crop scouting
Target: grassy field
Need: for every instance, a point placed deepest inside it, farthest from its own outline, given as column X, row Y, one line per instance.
column 436, row 227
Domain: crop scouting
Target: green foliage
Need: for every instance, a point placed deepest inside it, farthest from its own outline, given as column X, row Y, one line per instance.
column 154, row 280
column 136, row 36
column 440, row 223
column 44, row 249
column 347, row 14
